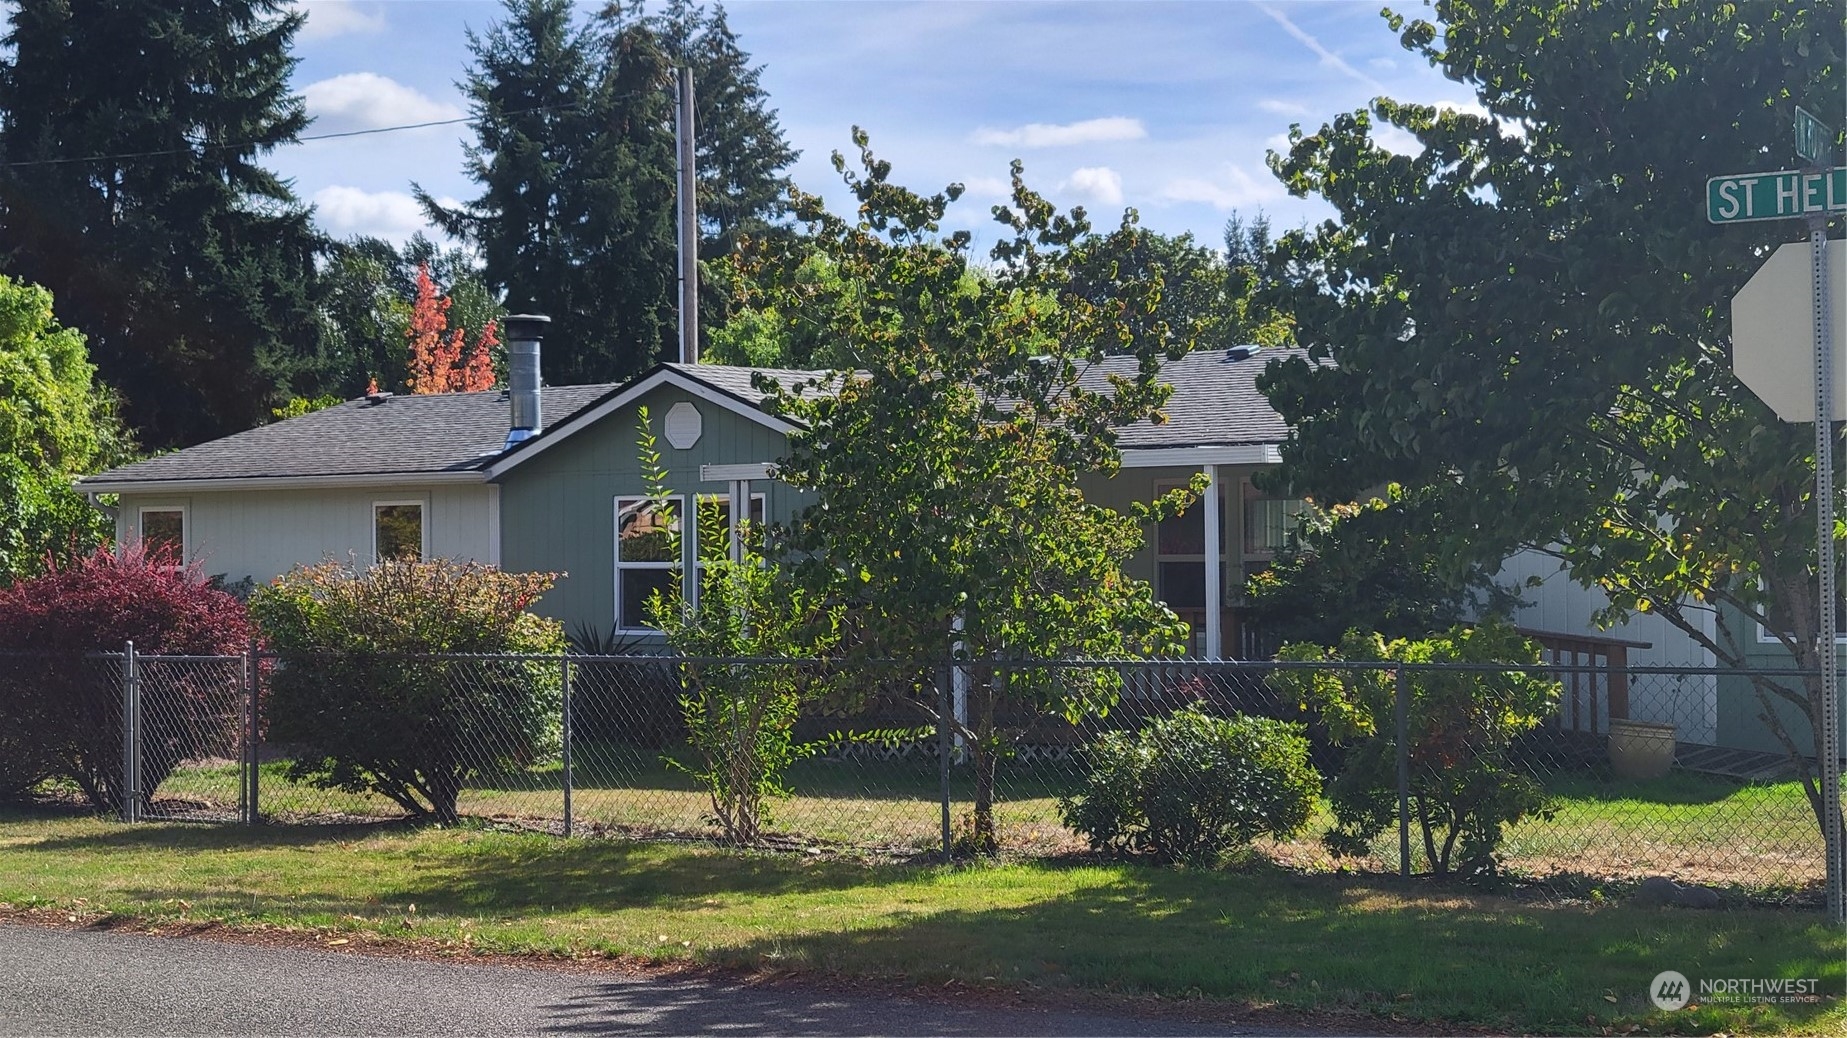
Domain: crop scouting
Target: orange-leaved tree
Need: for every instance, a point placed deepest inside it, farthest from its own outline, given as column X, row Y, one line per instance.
column 446, row 363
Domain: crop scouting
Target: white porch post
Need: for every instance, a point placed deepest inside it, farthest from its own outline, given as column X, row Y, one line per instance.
column 1215, row 580
column 689, row 552
column 740, row 509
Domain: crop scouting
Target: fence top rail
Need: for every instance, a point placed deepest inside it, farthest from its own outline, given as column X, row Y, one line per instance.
column 1192, row 664
column 149, row 657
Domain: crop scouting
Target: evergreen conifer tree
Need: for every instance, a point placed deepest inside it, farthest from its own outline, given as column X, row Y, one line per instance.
column 133, row 190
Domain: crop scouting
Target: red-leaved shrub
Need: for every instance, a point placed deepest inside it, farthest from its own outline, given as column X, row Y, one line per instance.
column 61, row 713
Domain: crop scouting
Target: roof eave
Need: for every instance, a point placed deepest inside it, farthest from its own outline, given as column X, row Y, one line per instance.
column 104, row 485
column 617, row 399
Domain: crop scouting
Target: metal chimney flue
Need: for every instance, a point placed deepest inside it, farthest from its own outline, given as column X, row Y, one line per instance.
column 524, row 333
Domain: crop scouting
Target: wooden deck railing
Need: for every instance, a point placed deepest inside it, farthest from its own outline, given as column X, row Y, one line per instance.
column 1239, row 638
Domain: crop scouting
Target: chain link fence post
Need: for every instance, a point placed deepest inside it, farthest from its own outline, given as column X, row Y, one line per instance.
column 564, row 669
column 944, row 680
column 1401, row 722
column 131, row 736
column 252, row 732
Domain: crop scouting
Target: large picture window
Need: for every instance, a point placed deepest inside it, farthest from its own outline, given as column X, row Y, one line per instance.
column 163, row 531
column 647, row 556
column 397, row 531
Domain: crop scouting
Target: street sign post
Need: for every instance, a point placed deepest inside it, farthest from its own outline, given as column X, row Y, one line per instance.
column 1814, row 138
column 1765, row 312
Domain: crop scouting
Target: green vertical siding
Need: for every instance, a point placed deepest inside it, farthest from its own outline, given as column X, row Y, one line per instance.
column 1741, row 722
column 557, row 510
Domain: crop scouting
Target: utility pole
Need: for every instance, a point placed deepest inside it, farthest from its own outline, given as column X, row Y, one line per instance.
column 688, row 199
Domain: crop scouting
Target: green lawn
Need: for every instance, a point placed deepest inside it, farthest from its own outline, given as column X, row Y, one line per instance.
column 1260, row 936
column 1693, row 827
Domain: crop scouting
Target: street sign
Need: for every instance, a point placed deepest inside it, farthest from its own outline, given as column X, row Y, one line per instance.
column 1780, row 195
column 1814, row 138
column 1773, row 331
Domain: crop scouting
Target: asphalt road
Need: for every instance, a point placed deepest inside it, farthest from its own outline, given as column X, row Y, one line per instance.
column 78, row 982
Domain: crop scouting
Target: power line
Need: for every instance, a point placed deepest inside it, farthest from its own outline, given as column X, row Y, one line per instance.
column 297, row 140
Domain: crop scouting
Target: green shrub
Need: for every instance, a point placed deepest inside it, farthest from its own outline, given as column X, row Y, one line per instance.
column 1461, row 724
column 1190, row 787
column 363, row 705
column 740, row 719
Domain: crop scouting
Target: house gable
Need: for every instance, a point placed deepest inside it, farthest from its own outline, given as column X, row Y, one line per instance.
column 557, row 507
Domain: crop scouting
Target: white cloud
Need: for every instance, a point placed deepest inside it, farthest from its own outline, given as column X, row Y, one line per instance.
column 1277, row 106
column 1237, row 190
column 393, row 215
column 367, row 101
column 1057, row 135
column 996, row 188
column 1383, row 65
column 330, row 18
column 1099, row 184
column 1395, row 140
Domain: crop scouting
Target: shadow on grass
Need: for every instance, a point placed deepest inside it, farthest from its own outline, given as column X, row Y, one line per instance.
column 199, row 836
column 1378, row 949
column 511, row 876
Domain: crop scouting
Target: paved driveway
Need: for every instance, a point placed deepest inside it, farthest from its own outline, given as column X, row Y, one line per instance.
column 80, row 982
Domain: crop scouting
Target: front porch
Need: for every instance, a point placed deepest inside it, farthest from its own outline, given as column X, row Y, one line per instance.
column 1238, row 638
column 1198, row 560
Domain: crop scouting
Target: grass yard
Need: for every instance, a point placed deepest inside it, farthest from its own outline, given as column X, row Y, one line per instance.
column 1368, row 946
column 1696, row 828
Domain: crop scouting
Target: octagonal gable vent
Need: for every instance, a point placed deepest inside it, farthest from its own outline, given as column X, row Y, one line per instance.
column 683, row 426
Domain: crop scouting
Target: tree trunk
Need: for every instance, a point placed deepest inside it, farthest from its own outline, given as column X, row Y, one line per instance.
column 445, row 789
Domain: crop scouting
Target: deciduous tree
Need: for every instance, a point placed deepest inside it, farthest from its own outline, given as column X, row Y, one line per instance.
column 1528, row 313
column 442, row 359
column 945, row 452
column 56, row 424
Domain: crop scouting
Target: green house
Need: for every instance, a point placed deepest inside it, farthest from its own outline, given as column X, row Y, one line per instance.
column 550, row 480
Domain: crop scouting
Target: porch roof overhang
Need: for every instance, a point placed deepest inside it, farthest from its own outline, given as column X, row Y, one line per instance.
column 1199, row 457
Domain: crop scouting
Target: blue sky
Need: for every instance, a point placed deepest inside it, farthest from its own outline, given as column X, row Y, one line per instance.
column 1165, row 107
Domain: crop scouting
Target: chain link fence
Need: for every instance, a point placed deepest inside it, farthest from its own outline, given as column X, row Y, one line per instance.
column 1623, row 774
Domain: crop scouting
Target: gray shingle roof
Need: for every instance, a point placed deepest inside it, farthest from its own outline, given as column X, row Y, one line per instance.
column 403, row 435
column 737, row 381
column 1215, row 403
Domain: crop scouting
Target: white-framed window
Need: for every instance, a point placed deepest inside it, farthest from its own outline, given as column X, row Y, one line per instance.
column 399, row 531
column 1765, row 637
column 647, row 535
column 1269, row 526
column 648, row 552
column 1180, row 552
column 162, row 528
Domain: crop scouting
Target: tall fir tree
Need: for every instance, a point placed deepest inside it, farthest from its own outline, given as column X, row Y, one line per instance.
column 133, row 189
column 574, row 153
column 741, row 152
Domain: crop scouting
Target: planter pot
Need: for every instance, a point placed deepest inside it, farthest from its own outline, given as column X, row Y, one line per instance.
column 1640, row 749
